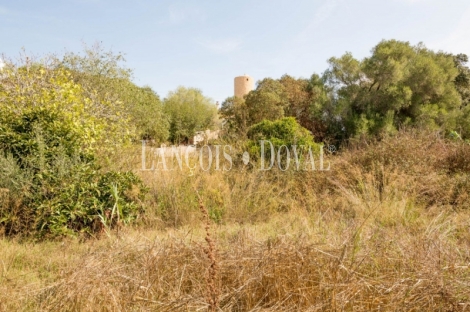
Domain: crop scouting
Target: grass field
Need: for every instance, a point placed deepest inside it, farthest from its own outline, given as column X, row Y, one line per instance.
column 386, row 229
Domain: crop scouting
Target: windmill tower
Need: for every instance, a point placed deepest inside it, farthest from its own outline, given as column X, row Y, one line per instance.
column 243, row 85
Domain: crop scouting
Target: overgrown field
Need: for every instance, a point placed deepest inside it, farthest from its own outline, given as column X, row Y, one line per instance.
column 387, row 228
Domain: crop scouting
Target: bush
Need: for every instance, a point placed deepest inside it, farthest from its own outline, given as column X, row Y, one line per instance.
column 63, row 195
column 103, row 76
column 90, row 202
column 283, row 132
column 50, row 181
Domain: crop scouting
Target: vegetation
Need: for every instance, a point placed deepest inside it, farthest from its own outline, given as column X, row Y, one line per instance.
column 398, row 86
column 104, row 79
column 49, row 134
column 386, row 228
column 284, row 132
column 188, row 111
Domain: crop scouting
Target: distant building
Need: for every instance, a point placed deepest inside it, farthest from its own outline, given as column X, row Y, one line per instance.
column 202, row 137
column 243, row 85
column 198, row 138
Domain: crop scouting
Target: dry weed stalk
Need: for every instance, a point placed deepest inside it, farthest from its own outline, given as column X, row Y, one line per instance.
column 212, row 295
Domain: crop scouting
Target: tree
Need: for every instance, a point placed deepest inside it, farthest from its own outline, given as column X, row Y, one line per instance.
column 188, row 111
column 298, row 98
column 397, row 85
column 462, row 81
column 235, row 115
column 267, row 102
column 308, row 102
column 49, row 132
column 145, row 110
column 107, row 81
column 462, row 84
column 35, row 97
column 304, row 99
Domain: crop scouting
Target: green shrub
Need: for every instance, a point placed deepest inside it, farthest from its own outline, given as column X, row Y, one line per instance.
column 52, row 194
column 50, row 181
column 282, row 132
column 91, row 202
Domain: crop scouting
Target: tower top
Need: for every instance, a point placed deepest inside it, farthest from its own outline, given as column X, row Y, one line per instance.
column 243, row 85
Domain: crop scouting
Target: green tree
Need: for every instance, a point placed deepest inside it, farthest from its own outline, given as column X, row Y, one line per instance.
column 49, row 132
column 304, row 99
column 398, row 85
column 235, row 117
column 108, row 82
column 145, row 110
column 462, row 81
column 462, row 84
column 34, row 96
column 188, row 111
column 298, row 98
column 307, row 101
column 267, row 102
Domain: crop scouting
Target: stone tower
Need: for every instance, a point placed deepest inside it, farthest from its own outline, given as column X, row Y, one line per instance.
column 243, row 85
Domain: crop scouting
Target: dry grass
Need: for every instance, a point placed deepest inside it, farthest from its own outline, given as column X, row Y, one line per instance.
column 388, row 229
column 295, row 262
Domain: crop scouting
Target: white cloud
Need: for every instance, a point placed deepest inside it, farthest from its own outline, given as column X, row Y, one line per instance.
column 220, row 46
column 2, row 64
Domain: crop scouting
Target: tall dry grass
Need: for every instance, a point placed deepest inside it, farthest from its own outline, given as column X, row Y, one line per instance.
column 293, row 263
column 387, row 229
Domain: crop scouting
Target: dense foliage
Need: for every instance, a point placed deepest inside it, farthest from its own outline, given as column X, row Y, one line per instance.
column 57, row 115
column 188, row 111
column 49, row 133
column 398, row 86
column 104, row 79
column 284, row 132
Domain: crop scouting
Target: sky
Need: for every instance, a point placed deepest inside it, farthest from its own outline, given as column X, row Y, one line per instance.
column 206, row 43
